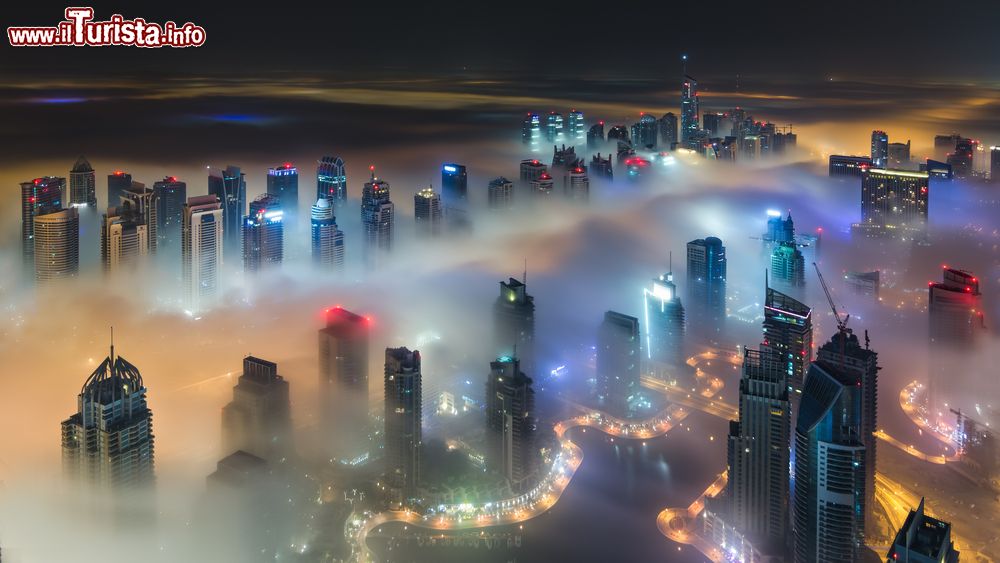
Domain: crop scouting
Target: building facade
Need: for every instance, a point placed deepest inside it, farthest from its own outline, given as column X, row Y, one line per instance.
column 403, row 432
column 263, row 234
column 201, row 251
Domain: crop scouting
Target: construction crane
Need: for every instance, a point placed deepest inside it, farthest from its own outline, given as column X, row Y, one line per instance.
column 841, row 323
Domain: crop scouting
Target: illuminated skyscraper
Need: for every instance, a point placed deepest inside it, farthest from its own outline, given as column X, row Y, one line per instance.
column 880, row 149
column 618, row 362
column 514, row 323
column 644, row 132
column 618, row 133
column 124, row 237
column 511, row 431
column 532, row 169
column 664, row 320
column 108, row 442
column 169, row 195
column 779, row 230
column 454, row 184
column 39, row 196
column 689, row 109
column 403, row 432
column 893, row 203
column 57, row 244
column 331, row 180
column 923, row 539
column 758, row 454
column 995, row 164
column 706, row 280
column 788, row 333
column 788, row 265
column 595, row 136
column 956, row 321
column 343, row 379
column 258, row 419
column 554, row 132
column 82, row 184
column 327, row 240
column 577, row 131
column 945, row 145
column 141, row 204
column 263, row 234
column 283, row 183
column 961, row 158
column 712, row 122
column 531, row 131
column 118, row 182
column 844, row 351
column 563, row 159
column 201, row 250
column 898, row 155
column 576, row 184
column 830, row 459
column 543, row 185
column 427, row 212
column 230, row 186
column 500, row 193
column 853, row 166
column 668, row 130
column 377, row 212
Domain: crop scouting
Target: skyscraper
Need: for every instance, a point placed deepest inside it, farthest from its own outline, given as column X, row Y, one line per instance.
column 82, row 184
column 689, row 109
column 852, row 166
column 788, row 265
column 169, row 195
column 830, row 458
column 758, row 454
column 618, row 361
column 343, row 376
column 543, row 186
column 531, row 131
column 956, row 321
column 512, row 450
column 845, row 353
column 403, row 432
column 327, row 240
column 377, row 212
column 118, row 182
column 454, row 184
column 124, row 237
column 602, row 167
column 664, row 320
column 618, row 133
column 108, row 442
column 576, row 130
column 263, row 234
column 779, row 230
column 258, row 419
column 57, row 244
column 788, row 334
column 595, row 135
column 995, row 164
column 880, row 149
column 922, row 539
column 554, row 132
column 514, row 323
column 331, row 180
column 898, row 155
column 230, row 186
column 576, row 184
column 668, row 130
column 427, row 212
column 500, row 193
column 532, row 169
column 961, row 158
column 644, row 131
column 201, row 250
column 39, row 196
column 141, row 205
column 706, row 280
column 893, row 203
column 283, row 183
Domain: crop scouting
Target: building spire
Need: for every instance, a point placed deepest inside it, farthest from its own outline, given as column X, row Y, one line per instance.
column 524, row 278
column 112, row 345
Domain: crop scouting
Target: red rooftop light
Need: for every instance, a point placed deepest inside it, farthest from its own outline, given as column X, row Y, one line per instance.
column 118, row 172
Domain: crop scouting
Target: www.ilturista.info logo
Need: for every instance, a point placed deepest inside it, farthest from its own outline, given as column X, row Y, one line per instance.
column 79, row 30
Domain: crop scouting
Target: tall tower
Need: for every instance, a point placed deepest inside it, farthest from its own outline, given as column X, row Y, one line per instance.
column 124, row 237
column 788, row 265
column 403, row 432
column 327, row 240
column 576, row 183
column 664, row 319
column 788, row 334
column 169, row 195
column 500, row 193
column 283, row 183
column 141, row 204
column 514, row 322
column 531, row 131
column 618, row 361
column 331, row 180
column 689, row 107
column 263, row 234
column 230, row 186
column 57, row 244
column 377, row 218
column 576, row 130
column 343, row 378
column 82, row 184
column 923, row 539
column 512, row 450
column 758, row 453
column 118, row 182
column 894, row 203
column 427, row 211
column 880, row 149
column 109, row 440
column 201, row 250
column 668, row 130
column 644, row 132
column 706, row 280
column 454, row 185
column 956, row 321
column 830, row 468
column 258, row 419
column 39, row 196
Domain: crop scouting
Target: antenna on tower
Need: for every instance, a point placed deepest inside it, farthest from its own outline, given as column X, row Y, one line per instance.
column 684, row 64
column 671, row 263
column 524, row 278
column 112, row 344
